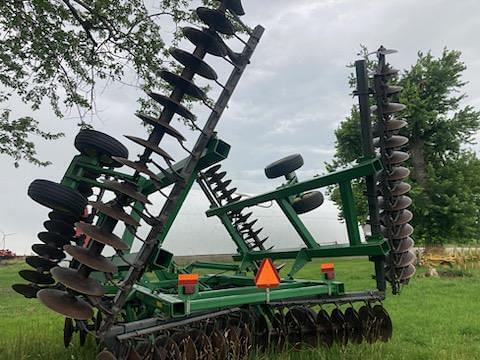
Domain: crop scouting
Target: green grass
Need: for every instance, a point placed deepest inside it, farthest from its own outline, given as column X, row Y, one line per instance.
column 434, row 318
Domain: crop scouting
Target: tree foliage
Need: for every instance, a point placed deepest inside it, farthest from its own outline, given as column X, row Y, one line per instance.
column 55, row 52
column 446, row 200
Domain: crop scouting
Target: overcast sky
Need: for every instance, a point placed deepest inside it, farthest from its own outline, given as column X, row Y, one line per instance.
column 291, row 98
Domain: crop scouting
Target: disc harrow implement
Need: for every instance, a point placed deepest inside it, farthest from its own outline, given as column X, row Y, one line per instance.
column 142, row 304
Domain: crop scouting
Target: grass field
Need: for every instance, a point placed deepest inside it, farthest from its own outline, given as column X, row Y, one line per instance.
column 434, row 318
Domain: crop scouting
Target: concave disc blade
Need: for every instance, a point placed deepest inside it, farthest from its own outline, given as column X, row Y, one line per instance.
column 234, row 6
column 399, row 203
column 105, row 355
column 390, row 90
column 137, row 166
column 402, row 231
column 28, row 290
column 169, row 347
column 56, row 215
column 397, row 157
column 53, row 239
column 150, row 146
column 384, row 323
column 216, row 20
column 402, row 245
column 59, row 227
column 48, row 251
column 389, row 108
column 385, row 51
column 366, row 316
column 401, row 274
column 324, row 328
column 186, row 346
column 40, row 263
column 212, row 170
column 65, row 304
column 194, row 63
column 219, row 345
column 393, row 142
column 202, row 344
column 338, row 325
column 212, row 44
column 396, row 218
column 186, row 85
column 167, row 128
column 36, row 277
column 399, row 188
column 172, row 105
column 126, row 189
column 392, row 124
column 217, row 176
column 403, row 259
column 85, row 257
column 114, row 212
column 354, row 325
column 398, row 173
column 102, row 236
column 72, row 279
column 68, row 330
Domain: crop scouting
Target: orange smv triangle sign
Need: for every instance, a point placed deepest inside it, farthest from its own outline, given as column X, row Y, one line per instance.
column 267, row 275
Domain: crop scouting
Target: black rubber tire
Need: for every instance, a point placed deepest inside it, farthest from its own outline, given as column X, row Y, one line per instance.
column 308, row 202
column 284, row 166
column 57, row 197
column 97, row 144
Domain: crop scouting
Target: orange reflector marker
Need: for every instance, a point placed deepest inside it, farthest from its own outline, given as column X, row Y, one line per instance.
column 267, row 276
column 329, row 270
column 187, row 279
column 327, row 267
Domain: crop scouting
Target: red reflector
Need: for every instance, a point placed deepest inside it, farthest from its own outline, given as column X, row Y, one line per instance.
column 187, row 279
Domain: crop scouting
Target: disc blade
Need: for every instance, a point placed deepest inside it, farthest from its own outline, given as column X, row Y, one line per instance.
column 186, row 85
column 105, row 355
column 137, row 166
column 338, row 326
column 354, row 325
column 150, row 146
column 48, row 251
column 384, row 323
column 234, row 6
column 397, row 157
column 167, row 128
column 399, row 203
column 59, row 227
column 403, row 259
column 389, row 108
column 402, row 245
column 53, row 239
column 398, row 173
column 399, row 188
column 114, row 212
column 85, row 257
column 396, row 218
column 126, row 189
column 28, row 290
column 194, row 63
column 36, row 277
column 172, row 105
column 56, row 215
column 212, row 170
column 72, row 279
column 400, row 274
column 398, row 232
column 390, row 90
column 40, row 263
column 390, row 125
column 395, row 141
column 324, row 327
column 65, row 304
column 102, row 236
column 216, row 20
column 212, row 44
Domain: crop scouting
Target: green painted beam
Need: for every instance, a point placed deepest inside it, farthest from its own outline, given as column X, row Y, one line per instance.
column 349, row 211
column 367, row 167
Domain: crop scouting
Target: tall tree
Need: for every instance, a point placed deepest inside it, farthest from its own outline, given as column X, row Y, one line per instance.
column 439, row 127
column 56, row 51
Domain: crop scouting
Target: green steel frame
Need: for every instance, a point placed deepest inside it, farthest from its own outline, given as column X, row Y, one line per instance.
column 158, row 294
